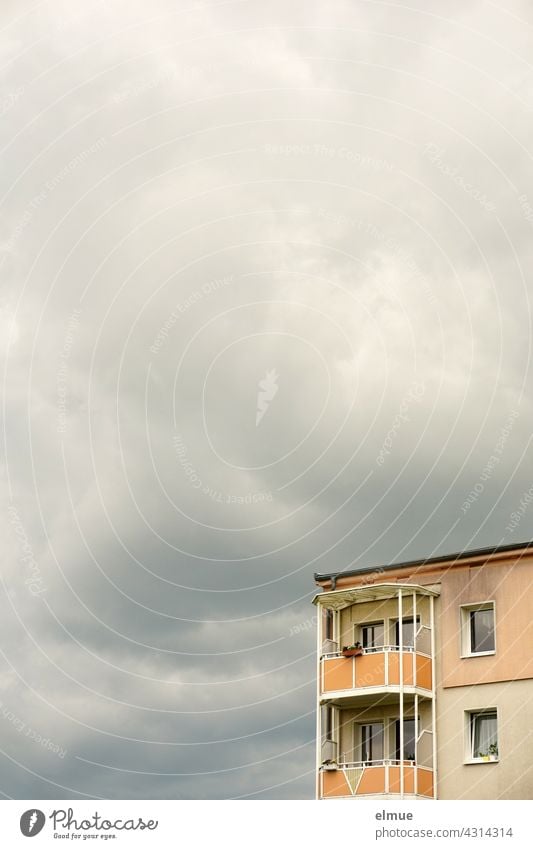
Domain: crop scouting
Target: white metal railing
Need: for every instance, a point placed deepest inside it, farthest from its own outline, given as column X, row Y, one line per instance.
column 365, row 764
column 377, row 650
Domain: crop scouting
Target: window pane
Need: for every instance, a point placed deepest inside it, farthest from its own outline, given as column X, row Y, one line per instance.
column 329, row 722
column 409, row 740
column 485, row 733
column 372, row 742
column 372, row 635
column 408, row 632
column 482, row 630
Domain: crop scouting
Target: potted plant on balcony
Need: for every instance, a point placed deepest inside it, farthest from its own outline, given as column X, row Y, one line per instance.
column 352, row 651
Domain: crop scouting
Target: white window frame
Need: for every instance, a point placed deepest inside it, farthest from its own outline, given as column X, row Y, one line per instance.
column 470, row 733
column 465, row 635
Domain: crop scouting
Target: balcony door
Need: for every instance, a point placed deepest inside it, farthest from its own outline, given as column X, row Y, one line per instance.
column 371, row 742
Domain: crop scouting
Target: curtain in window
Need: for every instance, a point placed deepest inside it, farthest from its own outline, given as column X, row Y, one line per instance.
column 485, row 733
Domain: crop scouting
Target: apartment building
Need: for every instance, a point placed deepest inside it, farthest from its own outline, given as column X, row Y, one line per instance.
column 425, row 678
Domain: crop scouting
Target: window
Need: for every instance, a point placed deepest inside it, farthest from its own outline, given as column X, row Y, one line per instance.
column 371, row 742
column 478, row 632
column 373, row 636
column 483, row 731
column 329, row 745
column 329, row 624
column 408, row 631
column 409, row 740
column 327, row 722
column 482, row 630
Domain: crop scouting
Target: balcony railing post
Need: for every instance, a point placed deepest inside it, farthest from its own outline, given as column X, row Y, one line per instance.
column 416, row 744
column 400, row 641
column 320, row 689
column 413, row 659
column 433, row 694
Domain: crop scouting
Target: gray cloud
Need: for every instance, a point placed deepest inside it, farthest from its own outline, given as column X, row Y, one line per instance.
column 194, row 199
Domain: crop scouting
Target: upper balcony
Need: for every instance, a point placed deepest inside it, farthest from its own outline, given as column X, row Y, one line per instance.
column 381, row 669
column 389, row 627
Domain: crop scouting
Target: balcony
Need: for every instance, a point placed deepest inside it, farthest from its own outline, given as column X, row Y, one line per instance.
column 380, row 778
column 384, row 678
column 381, row 669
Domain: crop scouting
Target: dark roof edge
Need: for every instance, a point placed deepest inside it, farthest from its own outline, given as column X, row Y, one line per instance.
column 461, row 555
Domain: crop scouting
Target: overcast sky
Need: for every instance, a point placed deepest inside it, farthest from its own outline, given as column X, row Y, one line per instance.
column 264, row 311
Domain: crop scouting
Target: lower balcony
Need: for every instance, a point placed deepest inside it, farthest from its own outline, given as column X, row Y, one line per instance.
column 380, row 778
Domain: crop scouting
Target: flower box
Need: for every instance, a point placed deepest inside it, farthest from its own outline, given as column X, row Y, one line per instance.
column 352, row 652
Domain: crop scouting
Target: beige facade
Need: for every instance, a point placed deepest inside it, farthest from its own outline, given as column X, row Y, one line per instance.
column 508, row 582
column 511, row 777
column 440, row 706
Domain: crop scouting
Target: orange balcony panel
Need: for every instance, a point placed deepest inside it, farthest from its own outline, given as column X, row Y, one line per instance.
column 372, row 781
column 408, row 779
column 370, row 670
column 423, row 671
column 338, row 674
column 425, row 782
column 394, row 668
column 334, row 784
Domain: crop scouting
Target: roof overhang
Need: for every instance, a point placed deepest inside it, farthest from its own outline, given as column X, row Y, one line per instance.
column 477, row 554
column 338, row 599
